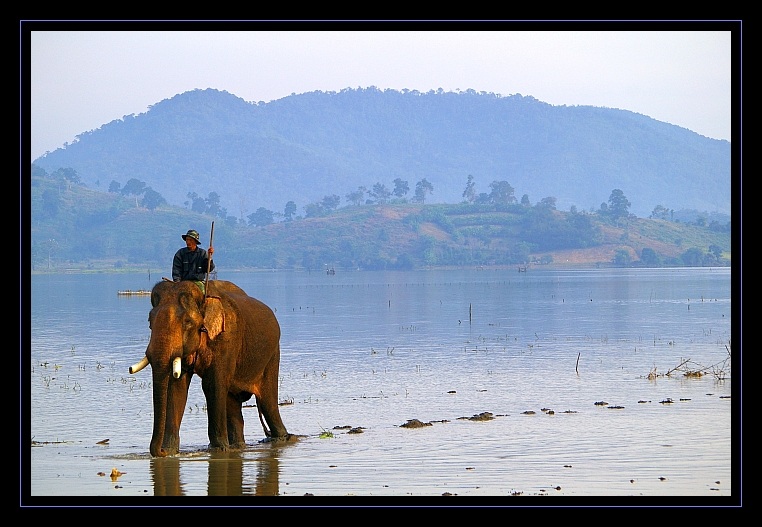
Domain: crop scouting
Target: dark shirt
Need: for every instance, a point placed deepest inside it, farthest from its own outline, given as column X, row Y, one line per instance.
column 190, row 265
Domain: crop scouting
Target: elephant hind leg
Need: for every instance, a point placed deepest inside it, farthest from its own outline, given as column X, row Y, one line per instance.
column 268, row 409
column 235, row 421
column 271, row 417
column 267, row 399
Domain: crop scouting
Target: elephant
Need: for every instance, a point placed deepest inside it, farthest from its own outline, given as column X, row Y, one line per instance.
column 227, row 338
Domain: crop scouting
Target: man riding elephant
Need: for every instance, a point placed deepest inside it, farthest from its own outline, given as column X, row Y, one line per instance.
column 192, row 262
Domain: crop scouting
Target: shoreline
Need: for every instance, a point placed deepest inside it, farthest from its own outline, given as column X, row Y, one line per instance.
column 516, row 268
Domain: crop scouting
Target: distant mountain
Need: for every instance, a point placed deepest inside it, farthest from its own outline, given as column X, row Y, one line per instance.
column 305, row 147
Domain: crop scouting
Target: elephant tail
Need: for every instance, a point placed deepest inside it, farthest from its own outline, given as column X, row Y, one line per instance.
column 268, row 433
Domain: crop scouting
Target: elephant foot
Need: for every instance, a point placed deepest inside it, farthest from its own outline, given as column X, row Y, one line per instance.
column 218, row 447
column 226, row 447
column 164, row 452
column 288, row 438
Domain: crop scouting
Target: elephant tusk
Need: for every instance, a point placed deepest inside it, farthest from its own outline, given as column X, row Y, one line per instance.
column 139, row 365
column 176, row 367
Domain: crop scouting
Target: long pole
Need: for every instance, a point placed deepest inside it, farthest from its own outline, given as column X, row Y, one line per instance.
column 209, row 261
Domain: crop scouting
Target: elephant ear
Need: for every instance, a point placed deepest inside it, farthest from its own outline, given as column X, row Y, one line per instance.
column 214, row 317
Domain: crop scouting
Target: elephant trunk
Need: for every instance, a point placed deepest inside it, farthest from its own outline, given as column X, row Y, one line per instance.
column 160, row 387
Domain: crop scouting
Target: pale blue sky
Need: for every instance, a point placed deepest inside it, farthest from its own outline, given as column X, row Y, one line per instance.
column 81, row 80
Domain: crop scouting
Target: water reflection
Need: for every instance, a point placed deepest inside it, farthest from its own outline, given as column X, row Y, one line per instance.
column 165, row 474
column 228, row 473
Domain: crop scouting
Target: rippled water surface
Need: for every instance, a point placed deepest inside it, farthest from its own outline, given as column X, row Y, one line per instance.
column 544, row 383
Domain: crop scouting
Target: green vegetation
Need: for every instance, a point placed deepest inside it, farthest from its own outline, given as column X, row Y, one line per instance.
column 74, row 227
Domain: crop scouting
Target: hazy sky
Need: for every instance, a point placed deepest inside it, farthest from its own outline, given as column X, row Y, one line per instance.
column 81, row 80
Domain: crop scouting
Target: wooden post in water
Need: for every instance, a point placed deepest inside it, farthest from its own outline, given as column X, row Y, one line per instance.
column 469, row 313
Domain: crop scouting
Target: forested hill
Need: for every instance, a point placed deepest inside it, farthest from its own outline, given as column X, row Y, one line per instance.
column 77, row 228
column 303, row 148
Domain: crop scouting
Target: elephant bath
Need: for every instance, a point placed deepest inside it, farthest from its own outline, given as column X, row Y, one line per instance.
column 227, row 338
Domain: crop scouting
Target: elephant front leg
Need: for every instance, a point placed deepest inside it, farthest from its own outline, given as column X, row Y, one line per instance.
column 216, row 404
column 235, row 421
column 176, row 400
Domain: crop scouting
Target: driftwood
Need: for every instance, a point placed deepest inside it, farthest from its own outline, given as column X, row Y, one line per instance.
column 688, row 368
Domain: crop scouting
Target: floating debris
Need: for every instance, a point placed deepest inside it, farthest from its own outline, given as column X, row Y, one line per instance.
column 129, row 292
column 484, row 416
column 415, row 423
column 114, row 474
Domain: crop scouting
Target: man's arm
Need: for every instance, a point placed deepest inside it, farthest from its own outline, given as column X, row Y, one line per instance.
column 177, row 266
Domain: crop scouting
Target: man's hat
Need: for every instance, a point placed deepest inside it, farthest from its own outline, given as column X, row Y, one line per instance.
column 193, row 234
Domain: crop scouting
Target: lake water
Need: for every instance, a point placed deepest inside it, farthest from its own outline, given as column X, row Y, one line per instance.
column 582, row 371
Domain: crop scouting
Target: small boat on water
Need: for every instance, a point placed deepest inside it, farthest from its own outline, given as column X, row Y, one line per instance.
column 130, row 292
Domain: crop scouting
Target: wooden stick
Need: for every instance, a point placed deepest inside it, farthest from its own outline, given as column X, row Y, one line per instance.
column 209, row 261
